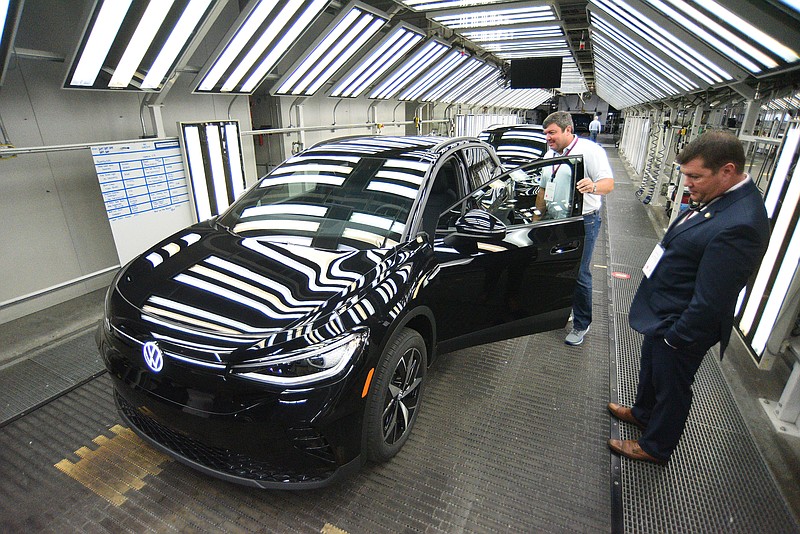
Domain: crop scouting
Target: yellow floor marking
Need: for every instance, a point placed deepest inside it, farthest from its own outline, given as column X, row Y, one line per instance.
column 118, row 465
column 330, row 529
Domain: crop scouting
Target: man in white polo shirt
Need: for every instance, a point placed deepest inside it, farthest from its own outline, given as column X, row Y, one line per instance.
column 559, row 132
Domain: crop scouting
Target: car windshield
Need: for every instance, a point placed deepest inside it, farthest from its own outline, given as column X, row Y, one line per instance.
column 335, row 202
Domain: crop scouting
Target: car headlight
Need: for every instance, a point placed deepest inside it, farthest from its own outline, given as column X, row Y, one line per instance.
column 307, row 365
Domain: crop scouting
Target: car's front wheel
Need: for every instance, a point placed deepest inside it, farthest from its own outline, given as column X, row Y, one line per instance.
column 395, row 395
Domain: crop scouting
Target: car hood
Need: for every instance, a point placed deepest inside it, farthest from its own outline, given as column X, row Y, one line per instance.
column 227, row 287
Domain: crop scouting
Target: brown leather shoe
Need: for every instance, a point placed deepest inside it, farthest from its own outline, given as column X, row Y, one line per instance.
column 630, row 449
column 623, row 413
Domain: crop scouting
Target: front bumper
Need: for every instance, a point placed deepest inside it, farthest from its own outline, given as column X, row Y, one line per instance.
column 236, row 429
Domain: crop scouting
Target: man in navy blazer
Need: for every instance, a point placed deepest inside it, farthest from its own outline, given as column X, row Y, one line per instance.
column 686, row 301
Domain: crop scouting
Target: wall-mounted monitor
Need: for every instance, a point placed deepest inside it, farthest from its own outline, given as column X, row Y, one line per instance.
column 536, row 73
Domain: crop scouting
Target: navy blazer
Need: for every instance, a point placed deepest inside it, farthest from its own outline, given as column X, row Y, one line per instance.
column 690, row 298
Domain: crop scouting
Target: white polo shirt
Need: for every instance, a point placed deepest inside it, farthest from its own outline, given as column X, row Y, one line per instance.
column 596, row 167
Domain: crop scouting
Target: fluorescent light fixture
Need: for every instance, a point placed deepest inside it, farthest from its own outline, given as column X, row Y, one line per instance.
column 177, row 42
column 149, row 24
column 240, row 39
column 4, row 10
column 135, row 45
column 430, row 5
column 10, row 11
column 456, row 78
column 780, row 232
column 512, row 33
column 777, row 294
column 213, row 156
column 275, row 25
column 234, row 154
column 483, row 73
column 412, row 68
column 487, row 17
column 386, row 54
column 194, row 154
column 104, row 31
column 214, row 151
column 617, row 39
column 348, row 33
column 659, row 39
column 778, row 180
column 434, row 75
column 744, row 51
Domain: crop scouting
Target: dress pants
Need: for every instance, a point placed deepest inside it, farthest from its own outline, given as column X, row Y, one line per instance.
column 664, row 394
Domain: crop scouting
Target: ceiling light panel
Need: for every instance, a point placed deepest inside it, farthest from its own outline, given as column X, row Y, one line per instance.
column 434, row 75
column 489, row 16
column 411, row 69
column 259, row 39
column 512, row 33
column 10, row 11
column 458, row 77
column 386, row 55
column 430, row 5
column 635, row 22
column 529, row 49
column 348, row 34
column 483, row 75
column 620, row 57
column 642, row 55
column 719, row 28
column 135, row 44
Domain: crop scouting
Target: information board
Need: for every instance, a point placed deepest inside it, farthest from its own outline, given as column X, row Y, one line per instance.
column 144, row 189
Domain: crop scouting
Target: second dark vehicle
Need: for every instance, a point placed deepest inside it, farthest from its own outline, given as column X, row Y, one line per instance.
column 285, row 342
column 516, row 144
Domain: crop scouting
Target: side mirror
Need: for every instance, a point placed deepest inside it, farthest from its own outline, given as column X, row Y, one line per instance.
column 481, row 225
column 476, row 225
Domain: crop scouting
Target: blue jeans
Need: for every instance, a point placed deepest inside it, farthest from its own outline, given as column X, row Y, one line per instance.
column 582, row 298
column 593, row 136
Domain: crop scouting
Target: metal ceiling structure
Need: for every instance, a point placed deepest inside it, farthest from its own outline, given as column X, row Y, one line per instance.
column 628, row 52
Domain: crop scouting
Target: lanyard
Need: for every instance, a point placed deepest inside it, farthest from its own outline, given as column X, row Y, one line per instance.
column 569, row 149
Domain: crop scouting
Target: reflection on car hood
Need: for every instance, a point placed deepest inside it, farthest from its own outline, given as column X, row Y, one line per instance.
column 242, row 289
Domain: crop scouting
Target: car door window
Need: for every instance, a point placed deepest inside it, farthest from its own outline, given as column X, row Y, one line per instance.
column 533, row 192
column 481, row 166
column 444, row 193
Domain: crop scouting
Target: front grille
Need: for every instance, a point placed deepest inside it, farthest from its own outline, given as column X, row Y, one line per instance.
column 218, row 459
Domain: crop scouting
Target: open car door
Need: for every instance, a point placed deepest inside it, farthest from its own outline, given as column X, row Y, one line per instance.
column 508, row 255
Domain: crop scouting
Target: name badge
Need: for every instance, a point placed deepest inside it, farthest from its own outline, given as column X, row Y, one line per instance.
column 550, row 191
column 652, row 261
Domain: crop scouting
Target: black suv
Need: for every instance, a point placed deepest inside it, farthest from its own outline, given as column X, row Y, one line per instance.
column 286, row 341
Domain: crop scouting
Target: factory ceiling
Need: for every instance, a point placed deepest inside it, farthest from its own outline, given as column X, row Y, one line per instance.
column 472, row 52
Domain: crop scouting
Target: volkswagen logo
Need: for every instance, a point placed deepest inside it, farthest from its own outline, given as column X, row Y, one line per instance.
column 153, row 356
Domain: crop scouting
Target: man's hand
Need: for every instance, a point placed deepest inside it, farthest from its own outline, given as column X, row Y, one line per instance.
column 586, row 185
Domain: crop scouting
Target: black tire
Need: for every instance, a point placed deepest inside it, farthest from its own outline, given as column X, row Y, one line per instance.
column 395, row 396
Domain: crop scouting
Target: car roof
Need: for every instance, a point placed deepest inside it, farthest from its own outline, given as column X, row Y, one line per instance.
column 506, row 127
column 388, row 146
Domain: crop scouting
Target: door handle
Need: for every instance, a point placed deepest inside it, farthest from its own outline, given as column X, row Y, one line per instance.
column 561, row 248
